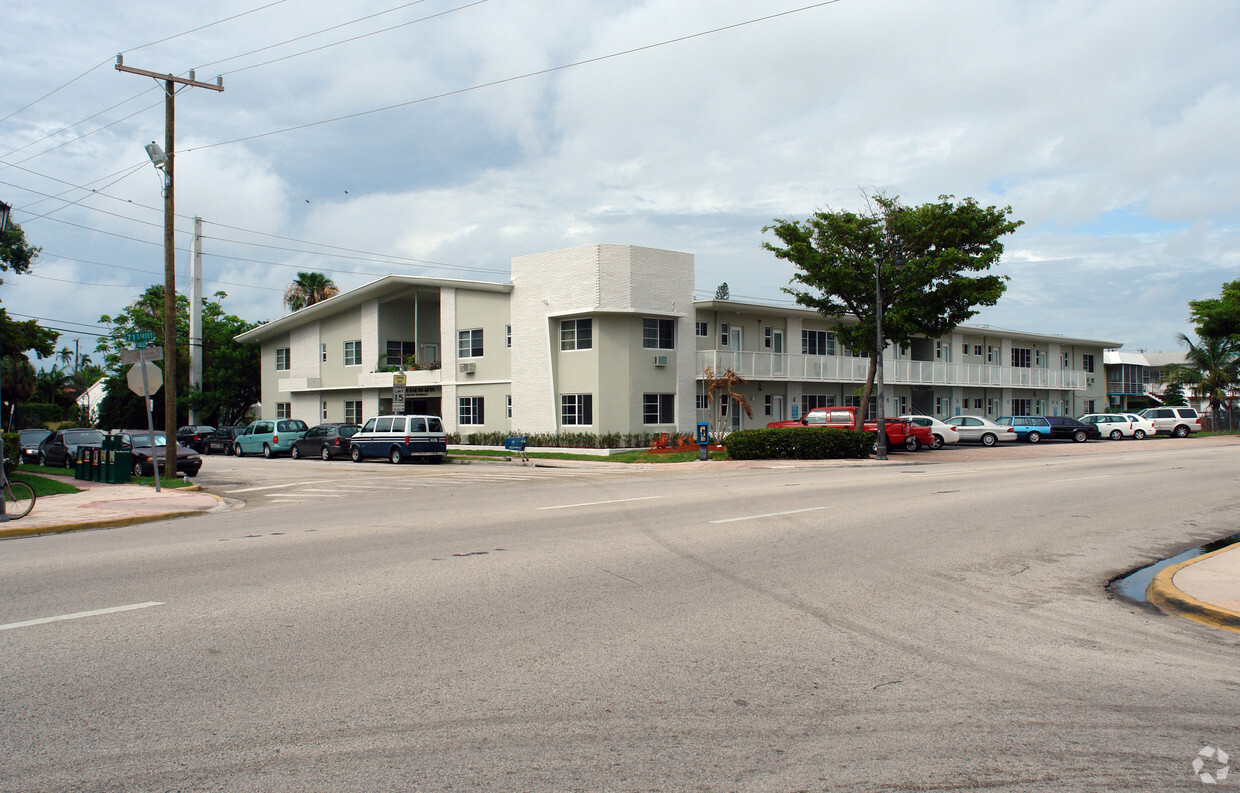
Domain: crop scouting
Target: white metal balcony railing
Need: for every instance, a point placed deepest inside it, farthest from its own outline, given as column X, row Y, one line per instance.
column 836, row 369
column 413, row 379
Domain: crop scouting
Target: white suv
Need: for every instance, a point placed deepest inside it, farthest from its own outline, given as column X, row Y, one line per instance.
column 1178, row 422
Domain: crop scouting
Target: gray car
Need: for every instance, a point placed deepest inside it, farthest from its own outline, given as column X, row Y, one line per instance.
column 325, row 441
column 975, row 429
column 61, row 447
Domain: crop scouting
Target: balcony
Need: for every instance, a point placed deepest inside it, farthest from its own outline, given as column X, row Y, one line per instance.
column 837, row 369
column 413, row 378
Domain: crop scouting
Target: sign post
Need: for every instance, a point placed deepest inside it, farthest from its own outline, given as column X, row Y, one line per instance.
column 398, row 393
column 140, row 377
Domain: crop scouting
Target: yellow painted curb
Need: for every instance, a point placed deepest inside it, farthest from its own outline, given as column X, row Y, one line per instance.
column 1173, row 600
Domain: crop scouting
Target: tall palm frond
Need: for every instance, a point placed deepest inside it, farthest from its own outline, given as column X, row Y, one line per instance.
column 308, row 289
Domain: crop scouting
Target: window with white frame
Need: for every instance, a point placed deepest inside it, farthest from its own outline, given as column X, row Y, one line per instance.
column 701, row 329
column 576, row 409
column 1038, row 359
column 469, row 411
column 508, row 406
column 1087, row 362
column 353, row 411
column 658, row 334
column 1021, row 357
column 964, row 348
column 817, row 342
column 1021, row 407
column 723, row 334
column 977, row 349
column 701, row 402
column 1089, row 406
column 397, row 352
column 811, row 401
column 284, row 410
column 992, row 407
column 1067, row 360
column 939, row 408
column 469, row 344
column 576, row 334
column 901, row 405
column 766, row 405
column 977, row 403
column 323, row 352
column 323, row 411
column 508, row 337
column 353, row 353
column 940, row 350
column 658, row 408
column 282, row 359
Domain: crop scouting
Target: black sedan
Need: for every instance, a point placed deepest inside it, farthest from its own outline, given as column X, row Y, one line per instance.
column 30, row 440
column 61, row 447
column 194, row 436
column 221, row 441
column 1068, row 428
column 139, row 444
column 325, row 441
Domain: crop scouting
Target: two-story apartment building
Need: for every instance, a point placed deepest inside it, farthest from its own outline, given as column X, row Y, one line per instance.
column 609, row 339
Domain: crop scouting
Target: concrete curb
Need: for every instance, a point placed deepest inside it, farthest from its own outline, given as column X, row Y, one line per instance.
column 1173, row 600
column 112, row 523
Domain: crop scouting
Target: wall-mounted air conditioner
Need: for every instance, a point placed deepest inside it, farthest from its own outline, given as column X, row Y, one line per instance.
column 660, row 360
column 1089, row 381
column 468, row 368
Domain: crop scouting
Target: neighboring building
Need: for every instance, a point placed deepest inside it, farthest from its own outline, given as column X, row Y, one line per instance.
column 88, row 401
column 608, row 339
column 1135, row 379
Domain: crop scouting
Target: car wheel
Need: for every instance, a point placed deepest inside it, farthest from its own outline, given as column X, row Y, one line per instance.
column 267, row 451
column 1116, row 435
column 1180, row 431
column 137, row 469
column 1138, row 435
column 1035, row 437
column 237, row 450
column 937, row 443
column 326, row 453
column 1080, row 436
column 395, row 456
column 989, row 439
column 355, row 454
column 42, row 458
column 294, row 452
column 911, row 443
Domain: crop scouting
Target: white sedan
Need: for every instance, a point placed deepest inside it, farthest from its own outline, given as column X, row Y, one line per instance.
column 943, row 433
column 981, row 430
column 1120, row 425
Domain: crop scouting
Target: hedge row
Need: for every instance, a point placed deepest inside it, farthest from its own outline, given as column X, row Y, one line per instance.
column 571, row 440
column 799, row 443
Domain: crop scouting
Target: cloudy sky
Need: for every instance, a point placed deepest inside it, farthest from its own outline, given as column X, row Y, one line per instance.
column 444, row 137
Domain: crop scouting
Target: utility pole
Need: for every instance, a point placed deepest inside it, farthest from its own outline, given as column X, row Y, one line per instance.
column 195, row 316
column 170, row 273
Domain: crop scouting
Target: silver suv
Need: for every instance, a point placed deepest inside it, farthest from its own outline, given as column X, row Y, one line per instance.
column 1178, row 422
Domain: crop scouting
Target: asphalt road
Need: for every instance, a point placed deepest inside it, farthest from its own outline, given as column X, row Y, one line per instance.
column 860, row 627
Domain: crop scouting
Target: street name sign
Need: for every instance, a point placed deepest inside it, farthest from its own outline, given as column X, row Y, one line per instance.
column 142, row 354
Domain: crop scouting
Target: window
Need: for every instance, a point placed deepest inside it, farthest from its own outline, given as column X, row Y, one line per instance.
column 811, row 401
column 1067, row 360
column 352, row 353
column 508, row 336
column 1021, row 357
column 353, row 411
column 576, row 409
column 658, row 408
column 964, row 348
column 1087, row 362
column 508, row 406
column 576, row 334
column 939, row 408
column 400, row 352
column 977, row 349
column 1089, row 406
column 766, row 337
column 992, row 407
column 323, row 411
column 658, row 334
column 701, row 402
column 282, row 359
column 469, row 410
column 469, row 344
column 284, row 410
column 701, row 329
column 1021, row 407
column 766, row 405
column 977, row 403
column 723, row 334
column 817, row 342
column 990, row 354
column 323, row 352
column 940, row 350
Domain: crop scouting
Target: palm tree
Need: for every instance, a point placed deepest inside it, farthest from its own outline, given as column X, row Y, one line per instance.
column 725, row 386
column 1211, row 371
column 308, row 289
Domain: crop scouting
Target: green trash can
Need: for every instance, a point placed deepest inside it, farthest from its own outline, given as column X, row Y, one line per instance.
column 96, row 464
column 122, row 466
column 81, row 465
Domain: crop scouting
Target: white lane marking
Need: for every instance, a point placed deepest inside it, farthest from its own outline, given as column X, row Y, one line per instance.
column 274, row 487
column 596, row 503
column 79, row 615
column 768, row 515
column 920, row 474
column 1082, row 478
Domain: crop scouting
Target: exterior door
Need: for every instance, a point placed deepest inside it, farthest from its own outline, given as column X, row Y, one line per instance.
column 737, row 338
column 777, row 408
column 777, row 347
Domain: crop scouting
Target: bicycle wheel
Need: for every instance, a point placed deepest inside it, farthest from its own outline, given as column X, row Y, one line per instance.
column 18, row 500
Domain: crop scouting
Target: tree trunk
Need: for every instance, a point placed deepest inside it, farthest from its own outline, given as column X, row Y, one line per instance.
column 865, row 393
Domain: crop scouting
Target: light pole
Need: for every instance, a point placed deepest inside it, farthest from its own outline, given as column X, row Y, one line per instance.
column 4, row 516
column 879, row 345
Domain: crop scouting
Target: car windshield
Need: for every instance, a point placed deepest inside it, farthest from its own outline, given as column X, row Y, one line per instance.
column 348, row 432
column 294, row 425
column 33, row 436
column 83, row 436
column 141, row 440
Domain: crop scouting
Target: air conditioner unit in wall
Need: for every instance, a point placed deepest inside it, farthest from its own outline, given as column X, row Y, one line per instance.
column 468, row 368
column 1089, row 381
column 660, row 360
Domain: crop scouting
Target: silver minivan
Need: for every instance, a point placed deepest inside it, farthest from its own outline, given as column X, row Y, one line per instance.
column 399, row 437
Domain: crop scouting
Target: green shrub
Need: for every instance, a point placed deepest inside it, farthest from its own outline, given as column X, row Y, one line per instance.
column 799, row 443
column 570, row 440
column 12, row 451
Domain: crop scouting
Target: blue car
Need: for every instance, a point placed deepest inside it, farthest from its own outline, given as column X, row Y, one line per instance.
column 1028, row 428
column 269, row 437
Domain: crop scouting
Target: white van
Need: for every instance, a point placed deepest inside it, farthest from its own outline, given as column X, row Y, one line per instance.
column 398, row 437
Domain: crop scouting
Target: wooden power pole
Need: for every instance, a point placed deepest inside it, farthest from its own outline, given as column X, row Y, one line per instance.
column 170, row 273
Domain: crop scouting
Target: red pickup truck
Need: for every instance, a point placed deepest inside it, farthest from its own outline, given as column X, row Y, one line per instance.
column 900, row 432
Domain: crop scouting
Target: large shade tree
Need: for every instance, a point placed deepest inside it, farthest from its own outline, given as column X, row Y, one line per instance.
column 17, row 377
column 308, row 289
column 1218, row 317
column 932, row 259
column 1211, row 372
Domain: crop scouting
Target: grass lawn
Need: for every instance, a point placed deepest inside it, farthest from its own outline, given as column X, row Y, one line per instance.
column 149, row 481
column 639, row 456
column 42, row 485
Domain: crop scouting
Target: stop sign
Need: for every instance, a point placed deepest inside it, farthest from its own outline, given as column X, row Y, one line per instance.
column 154, row 377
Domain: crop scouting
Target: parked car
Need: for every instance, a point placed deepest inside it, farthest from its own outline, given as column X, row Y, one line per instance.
column 1028, row 428
column 900, row 433
column 1178, row 422
column 975, row 429
column 142, row 445
column 269, row 437
column 398, row 437
column 325, row 441
column 61, row 447
column 1068, row 428
column 940, row 433
column 30, row 440
column 194, row 436
column 1120, row 425
column 221, row 441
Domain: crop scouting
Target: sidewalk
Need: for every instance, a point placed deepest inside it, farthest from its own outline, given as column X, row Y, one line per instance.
column 100, row 506
column 1205, row 589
